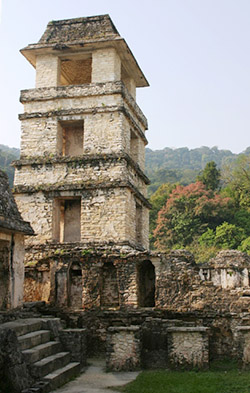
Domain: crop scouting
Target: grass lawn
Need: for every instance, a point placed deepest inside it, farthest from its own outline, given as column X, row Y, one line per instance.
column 213, row 381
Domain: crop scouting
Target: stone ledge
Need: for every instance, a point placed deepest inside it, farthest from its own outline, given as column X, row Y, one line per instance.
column 86, row 90
column 83, row 159
column 188, row 329
column 118, row 329
column 55, row 189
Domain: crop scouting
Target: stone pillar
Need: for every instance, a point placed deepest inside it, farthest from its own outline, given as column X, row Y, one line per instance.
column 188, row 347
column 106, row 66
column 243, row 343
column 127, row 283
column 74, row 341
column 47, row 71
column 131, row 86
column 123, row 351
column 62, row 288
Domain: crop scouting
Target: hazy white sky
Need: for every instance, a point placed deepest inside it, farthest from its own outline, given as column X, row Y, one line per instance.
column 194, row 53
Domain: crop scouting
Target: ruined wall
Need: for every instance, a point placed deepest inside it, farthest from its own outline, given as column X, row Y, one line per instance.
column 11, row 270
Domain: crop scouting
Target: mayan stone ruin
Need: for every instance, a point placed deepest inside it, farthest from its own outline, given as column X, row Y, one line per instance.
column 81, row 185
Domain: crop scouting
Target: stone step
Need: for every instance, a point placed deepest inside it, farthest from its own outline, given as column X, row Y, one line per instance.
column 35, row 354
column 33, row 339
column 49, row 364
column 62, row 375
column 24, row 326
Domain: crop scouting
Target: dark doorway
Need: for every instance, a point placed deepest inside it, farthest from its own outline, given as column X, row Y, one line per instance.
column 4, row 273
column 146, row 284
column 75, row 286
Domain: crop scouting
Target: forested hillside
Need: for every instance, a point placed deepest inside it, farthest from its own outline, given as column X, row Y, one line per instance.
column 7, row 155
column 183, row 165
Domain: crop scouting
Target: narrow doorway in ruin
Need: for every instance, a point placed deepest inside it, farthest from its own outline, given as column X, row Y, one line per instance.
column 70, row 138
column 4, row 273
column 109, row 294
column 146, row 284
column 75, row 286
column 67, row 220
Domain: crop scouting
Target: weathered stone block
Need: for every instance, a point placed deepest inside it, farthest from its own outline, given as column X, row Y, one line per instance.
column 75, row 341
column 188, row 347
column 123, row 351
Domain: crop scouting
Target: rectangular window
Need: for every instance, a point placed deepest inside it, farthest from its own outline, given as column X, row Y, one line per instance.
column 70, row 138
column 75, row 71
column 67, row 220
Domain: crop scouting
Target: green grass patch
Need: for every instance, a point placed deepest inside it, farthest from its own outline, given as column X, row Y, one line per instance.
column 233, row 381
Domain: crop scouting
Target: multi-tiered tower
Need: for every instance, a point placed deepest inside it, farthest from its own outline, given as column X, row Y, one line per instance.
column 80, row 178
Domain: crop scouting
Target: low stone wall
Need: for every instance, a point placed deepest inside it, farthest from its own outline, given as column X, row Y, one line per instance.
column 74, row 341
column 243, row 341
column 188, row 347
column 123, row 351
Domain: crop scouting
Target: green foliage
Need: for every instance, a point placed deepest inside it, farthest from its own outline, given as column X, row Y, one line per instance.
column 228, row 236
column 245, row 245
column 237, row 178
column 7, row 155
column 188, row 212
column 207, row 238
column 210, row 176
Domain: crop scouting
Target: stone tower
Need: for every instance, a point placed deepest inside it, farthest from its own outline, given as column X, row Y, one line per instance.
column 81, row 176
column 80, row 179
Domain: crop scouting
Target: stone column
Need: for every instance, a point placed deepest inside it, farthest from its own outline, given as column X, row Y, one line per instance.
column 47, row 71
column 106, row 65
column 123, row 350
column 188, row 347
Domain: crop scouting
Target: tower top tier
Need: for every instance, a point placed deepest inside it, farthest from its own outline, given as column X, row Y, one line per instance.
column 83, row 35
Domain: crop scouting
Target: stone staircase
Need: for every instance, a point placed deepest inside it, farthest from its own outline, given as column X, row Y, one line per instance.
column 49, row 366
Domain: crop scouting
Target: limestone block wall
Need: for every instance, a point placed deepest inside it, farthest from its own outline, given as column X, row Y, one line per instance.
column 50, row 99
column 75, row 342
column 188, row 347
column 37, row 208
column 39, row 137
column 47, row 71
column 103, row 216
column 123, row 348
column 111, row 114
column 107, row 214
column 243, row 345
column 106, row 65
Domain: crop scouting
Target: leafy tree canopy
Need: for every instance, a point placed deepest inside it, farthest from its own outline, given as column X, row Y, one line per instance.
column 210, row 176
column 188, row 212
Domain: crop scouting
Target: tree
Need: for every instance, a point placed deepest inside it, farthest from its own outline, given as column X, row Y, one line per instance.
column 158, row 200
column 228, row 236
column 188, row 212
column 237, row 177
column 210, row 176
